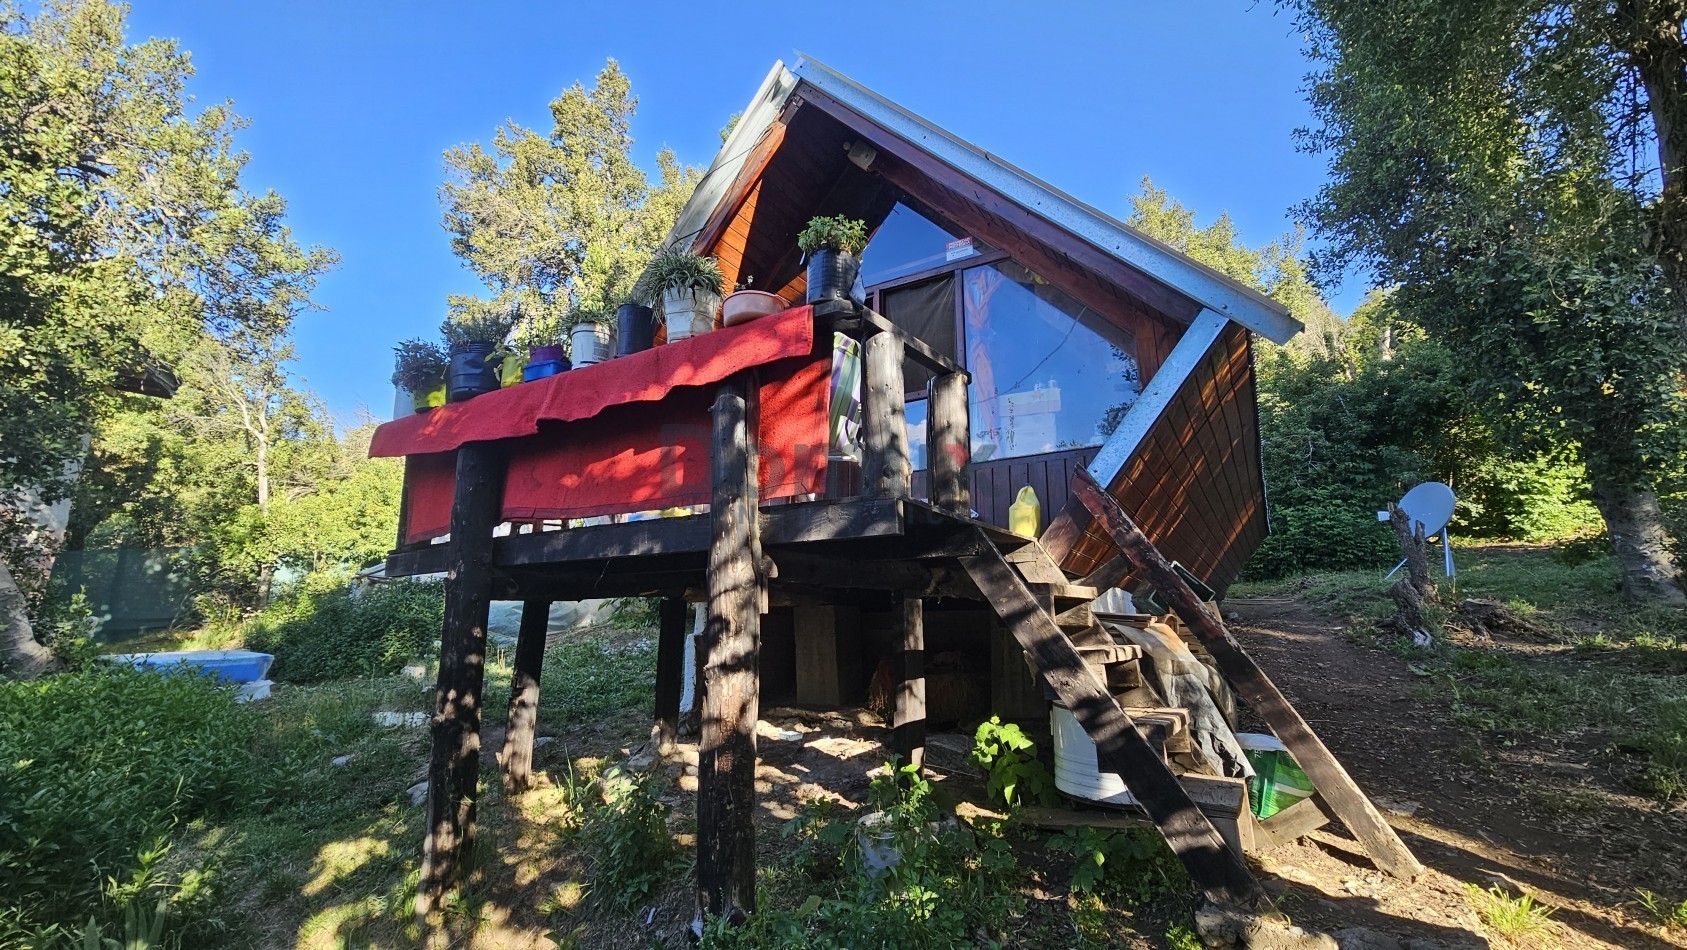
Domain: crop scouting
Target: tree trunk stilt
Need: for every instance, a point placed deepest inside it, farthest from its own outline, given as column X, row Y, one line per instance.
column 909, row 722
column 726, row 768
column 670, row 656
column 454, row 762
column 524, row 696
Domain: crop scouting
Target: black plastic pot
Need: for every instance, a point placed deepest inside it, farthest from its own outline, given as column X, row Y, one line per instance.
column 831, row 275
column 471, row 373
column 637, row 328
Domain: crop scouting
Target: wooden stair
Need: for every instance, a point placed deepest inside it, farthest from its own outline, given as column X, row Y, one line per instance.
column 1026, row 596
column 1083, row 667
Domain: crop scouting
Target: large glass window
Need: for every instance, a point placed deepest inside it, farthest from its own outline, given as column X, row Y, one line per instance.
column 910, row 243
column 1047, row 373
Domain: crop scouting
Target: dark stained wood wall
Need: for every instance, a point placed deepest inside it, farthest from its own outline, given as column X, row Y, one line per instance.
column 995, row 484
column 1193, row 484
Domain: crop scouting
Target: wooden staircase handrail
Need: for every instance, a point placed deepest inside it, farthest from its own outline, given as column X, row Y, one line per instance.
column 1334, row 785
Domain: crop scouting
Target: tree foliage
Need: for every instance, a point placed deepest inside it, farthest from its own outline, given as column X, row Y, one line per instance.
column 553, row 222
column 1353, row 412
column 1480, row 163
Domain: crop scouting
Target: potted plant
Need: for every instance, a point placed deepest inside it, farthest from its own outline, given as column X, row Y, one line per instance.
column 476, row 342
column 593, row 330
column 689, row 286
column 832, row 246
column 545, row 338
column 419, row 369
column 745, row 304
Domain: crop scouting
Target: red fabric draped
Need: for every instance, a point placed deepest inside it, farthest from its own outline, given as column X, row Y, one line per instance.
column 631, row 434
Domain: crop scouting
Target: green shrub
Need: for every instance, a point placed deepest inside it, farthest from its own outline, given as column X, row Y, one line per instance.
column 1327, row 533
column 627, row 836
column 1008, row 755
column 325, row 632
column 95, row 767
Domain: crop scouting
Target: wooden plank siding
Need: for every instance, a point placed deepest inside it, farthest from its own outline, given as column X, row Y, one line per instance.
column 995, row 483
column 1192, row 484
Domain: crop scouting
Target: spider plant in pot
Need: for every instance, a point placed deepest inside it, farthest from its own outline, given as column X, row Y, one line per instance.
column 419, row 369
column 476, row 341
column 832, row 247
column 689, row 286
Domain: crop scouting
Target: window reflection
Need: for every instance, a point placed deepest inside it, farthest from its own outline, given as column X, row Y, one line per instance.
column 1047, row 373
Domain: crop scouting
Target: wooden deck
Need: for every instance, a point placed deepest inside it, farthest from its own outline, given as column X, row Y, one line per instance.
column 667, row 557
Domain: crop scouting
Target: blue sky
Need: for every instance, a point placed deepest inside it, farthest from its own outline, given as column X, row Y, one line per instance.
column 353, row 102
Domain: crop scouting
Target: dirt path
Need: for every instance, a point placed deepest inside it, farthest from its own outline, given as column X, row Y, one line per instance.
column 1537, row 815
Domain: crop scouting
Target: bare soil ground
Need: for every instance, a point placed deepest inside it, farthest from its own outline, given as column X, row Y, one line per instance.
column 1532, row 815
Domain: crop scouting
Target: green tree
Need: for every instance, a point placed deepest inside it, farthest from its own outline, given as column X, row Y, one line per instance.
column 1482, row 164
column 125, row 237
column 1275, row 268
column 551, row 222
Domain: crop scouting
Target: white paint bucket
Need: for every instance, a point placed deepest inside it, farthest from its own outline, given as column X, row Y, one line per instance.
column 591, row 343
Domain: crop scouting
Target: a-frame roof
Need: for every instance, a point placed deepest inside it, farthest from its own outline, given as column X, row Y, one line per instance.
column 1199, row 285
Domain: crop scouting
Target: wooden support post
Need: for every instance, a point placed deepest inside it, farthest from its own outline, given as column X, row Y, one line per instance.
column 1119, row 747
column 670, row 656
column 885, row 469
column 949, row 444
column 828, row 639
column 454, row 762
column 909, row 722
column 524, row 695
column 1335, row 786
column 726, row 768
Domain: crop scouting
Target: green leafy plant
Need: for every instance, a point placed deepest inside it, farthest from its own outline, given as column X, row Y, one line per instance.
column 674, row 268
column 1664, row 911
column 627, row 836
column 1008, row 755
column 833, row 234
column 1507, row 915
column 476, row 326
column 96, row 766
column 418, row 365
column 329, row 629
column 1121, row 864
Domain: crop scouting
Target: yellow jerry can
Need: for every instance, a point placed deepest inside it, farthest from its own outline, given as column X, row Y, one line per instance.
column 1025, row 515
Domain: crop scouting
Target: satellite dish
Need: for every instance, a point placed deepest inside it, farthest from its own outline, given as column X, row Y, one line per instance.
column 1431, row 506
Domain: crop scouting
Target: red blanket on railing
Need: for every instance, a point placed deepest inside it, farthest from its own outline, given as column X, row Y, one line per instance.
column 631, row 434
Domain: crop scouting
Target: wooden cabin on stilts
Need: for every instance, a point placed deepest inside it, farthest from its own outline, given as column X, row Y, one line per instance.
column 1004, row 335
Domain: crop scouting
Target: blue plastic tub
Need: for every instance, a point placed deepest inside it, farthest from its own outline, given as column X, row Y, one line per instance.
column 542, row 369
column 231, row 666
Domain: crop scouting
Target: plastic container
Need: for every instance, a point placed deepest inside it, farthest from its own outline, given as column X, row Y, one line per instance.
column 470, row 373
column 746, row 305
column 688, row 313
column 831, row 275
column 544, row 354
column 1077, row 772
column 635, row 328
column 533, row 371
column 591, row 343
column 231, row 666
column 1278, row 781
column 510, row 371
column 1025, row 515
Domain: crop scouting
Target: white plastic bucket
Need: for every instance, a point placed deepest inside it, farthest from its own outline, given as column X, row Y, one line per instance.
column 591, row 343
column 1076, row 770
